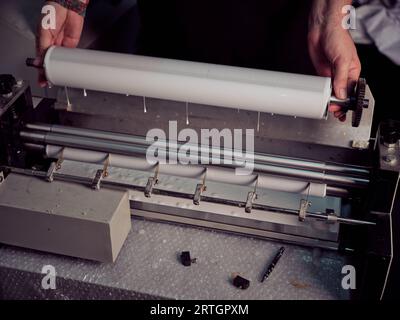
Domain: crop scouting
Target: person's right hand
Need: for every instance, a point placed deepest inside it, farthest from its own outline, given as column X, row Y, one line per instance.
column 67, row 33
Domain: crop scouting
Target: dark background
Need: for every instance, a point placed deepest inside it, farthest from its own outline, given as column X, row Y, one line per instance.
column 269, row 35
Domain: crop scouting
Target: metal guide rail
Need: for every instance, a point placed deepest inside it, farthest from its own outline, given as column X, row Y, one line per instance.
column 99, row 180
column 42, row 136
column 108, row 149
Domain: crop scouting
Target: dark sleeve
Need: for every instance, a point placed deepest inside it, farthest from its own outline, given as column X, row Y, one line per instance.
column 79, row 6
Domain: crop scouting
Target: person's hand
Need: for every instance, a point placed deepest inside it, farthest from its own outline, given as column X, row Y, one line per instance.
column 334, row 55
column 67, row 33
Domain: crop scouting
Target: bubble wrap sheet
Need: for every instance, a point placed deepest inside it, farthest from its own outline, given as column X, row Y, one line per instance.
column 148, row 267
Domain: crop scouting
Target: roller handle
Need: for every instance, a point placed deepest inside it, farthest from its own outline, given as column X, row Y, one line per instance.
column 31, row 62
column 356, row 102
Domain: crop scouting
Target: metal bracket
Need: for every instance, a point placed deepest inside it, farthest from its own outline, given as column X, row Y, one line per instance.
column 251, row 197
column 96, row 183
column 106, row 165
column 50, row 172
column 100, row 174
column 360, row 144
column 200, row 188
column 304, row 205
column 151, row 182
column 2, row 178
column 331, row 216
column 60, row 160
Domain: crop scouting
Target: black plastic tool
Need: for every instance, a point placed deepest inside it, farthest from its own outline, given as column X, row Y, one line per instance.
column 186, row 259
column 241, row 283
column 273, row 264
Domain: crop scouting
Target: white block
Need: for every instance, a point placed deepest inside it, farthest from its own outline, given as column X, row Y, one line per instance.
column 63, row 218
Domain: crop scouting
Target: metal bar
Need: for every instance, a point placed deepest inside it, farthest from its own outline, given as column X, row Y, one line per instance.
column 337, row 192
column 333, row 218
column 258, row 158
column 214, row 173
column 130, row 149
column 88, row 133
column 146, row 213
column 340, row 102
column 83, row 143
column 125, row 185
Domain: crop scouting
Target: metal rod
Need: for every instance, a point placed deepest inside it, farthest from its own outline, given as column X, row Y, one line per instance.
column 332, row 218
column 132, row 186
column 337, row 192
column 83, row 143
column 330, row 191
column 258, row 158
column 340, row 102
column 67, row 97
column 214, row 173
column 130, row 149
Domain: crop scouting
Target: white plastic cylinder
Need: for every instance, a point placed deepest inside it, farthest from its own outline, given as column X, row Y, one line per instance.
column 217, row 85
column 189, row 171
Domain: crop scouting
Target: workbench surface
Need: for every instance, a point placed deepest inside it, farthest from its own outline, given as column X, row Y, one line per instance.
column 148, row 266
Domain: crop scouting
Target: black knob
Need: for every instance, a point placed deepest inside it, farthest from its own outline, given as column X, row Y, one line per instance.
column 7, row 82
column 390, row 132
column 240, row 282
column 186, row 259
column 391, row 136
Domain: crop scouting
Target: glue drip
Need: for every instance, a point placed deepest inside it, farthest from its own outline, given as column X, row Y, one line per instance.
column 67, row 96
column 187, row 113
column 144, row 105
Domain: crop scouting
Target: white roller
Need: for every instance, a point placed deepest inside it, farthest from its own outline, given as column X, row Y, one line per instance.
column 189, row 171
column 250, row 89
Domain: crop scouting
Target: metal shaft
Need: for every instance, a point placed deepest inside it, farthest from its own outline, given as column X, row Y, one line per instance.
column 130, row 149
column 340, row 102
column 127, row 185
column 258, row 158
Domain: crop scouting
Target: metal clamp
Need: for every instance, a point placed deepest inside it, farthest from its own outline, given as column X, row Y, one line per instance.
column 304, row 205
column 60, row 160
column 100, row 174
column 200, row 188
column 106, row 165
column 251, row 197
column 151, row 182
column 331, row 216
column 50, row 172
column 2, row 178
column 96, row 183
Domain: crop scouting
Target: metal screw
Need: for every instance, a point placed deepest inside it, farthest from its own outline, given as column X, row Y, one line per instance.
column 389, row 158
column 8, row 95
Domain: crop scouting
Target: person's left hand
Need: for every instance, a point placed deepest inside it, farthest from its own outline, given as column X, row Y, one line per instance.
column 67, row 33
column 334, row 55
